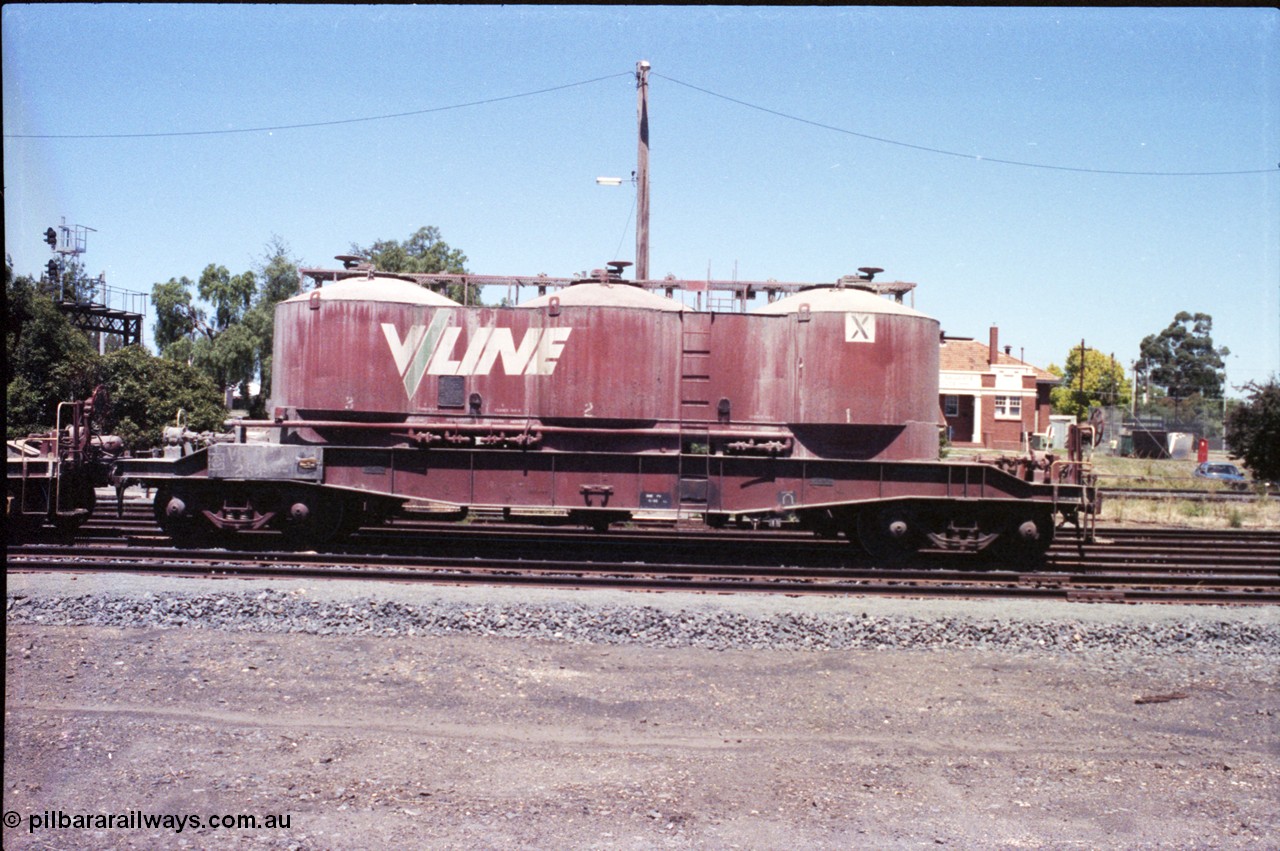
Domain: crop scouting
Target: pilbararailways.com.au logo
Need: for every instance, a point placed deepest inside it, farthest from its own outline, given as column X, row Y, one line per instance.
column 430, row 350
column 47, row 820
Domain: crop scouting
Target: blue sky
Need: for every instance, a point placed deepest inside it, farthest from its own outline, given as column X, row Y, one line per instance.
column 1051, row 255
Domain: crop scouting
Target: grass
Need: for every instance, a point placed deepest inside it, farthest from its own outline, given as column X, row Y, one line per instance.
column 1140, row 473
column 1254, row 514
column 1146, row 473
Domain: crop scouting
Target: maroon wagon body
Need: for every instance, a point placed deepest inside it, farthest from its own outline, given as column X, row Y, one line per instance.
column 839, row 383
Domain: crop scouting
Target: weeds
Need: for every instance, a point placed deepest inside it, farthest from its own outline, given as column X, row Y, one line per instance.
column 1254, row 514
column 1193, row 508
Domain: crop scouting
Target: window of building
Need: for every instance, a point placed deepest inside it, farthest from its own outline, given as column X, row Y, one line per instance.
column 1009, row 407
column 951, row 406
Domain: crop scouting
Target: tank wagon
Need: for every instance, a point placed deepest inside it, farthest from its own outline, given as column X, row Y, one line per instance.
column 604, row 398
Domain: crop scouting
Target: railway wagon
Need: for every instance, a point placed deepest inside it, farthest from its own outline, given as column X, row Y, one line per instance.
column 50, row 478
column 601, row 399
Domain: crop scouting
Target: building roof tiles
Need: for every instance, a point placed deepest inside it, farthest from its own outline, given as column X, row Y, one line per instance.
column 957, row 355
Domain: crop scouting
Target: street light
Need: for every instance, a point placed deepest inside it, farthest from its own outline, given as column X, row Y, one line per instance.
column 609, row 181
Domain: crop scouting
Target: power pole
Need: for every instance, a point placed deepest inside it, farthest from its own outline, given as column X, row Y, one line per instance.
column 1082, row 398
column 642, row 172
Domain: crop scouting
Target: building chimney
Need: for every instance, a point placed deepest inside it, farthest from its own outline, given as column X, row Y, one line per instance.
column 993, row 354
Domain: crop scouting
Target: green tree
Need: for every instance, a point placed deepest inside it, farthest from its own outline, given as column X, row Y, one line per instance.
column 47, row 361
column 228, row 332
column 224, row 325
column 424, row 253
column 1253, row 430
column 176, row 316
column 1097, row 380
column 18, row 310
column 230, row 296
column 224, row 349
column 147, row 392
column 277, row 281
column 278, row 273
column 1182, row 358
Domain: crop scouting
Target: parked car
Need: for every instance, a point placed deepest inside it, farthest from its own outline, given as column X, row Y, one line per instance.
column 1228, row 474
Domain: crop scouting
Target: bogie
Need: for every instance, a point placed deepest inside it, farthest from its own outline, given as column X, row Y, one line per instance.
column 999, row 534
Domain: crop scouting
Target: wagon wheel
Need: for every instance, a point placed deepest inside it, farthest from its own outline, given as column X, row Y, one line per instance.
column 177, row 512
column 310, row 517
column 1024, row 539
column 890, row 534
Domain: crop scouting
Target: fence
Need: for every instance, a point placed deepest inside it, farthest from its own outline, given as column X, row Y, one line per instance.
column 1142, row 427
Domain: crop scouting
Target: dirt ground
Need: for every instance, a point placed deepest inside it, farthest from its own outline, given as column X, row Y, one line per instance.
column 486, row 742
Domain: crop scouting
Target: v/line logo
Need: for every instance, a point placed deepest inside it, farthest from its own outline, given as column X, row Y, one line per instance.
column 429, row 350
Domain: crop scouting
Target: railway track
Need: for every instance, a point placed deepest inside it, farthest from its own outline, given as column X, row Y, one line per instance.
column 1124, row 565
column 1243, row 495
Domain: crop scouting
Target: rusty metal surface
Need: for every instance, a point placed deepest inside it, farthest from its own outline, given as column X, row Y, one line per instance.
column 630, row 482
column 854, row 384
column 810, row 375
column 352, row 358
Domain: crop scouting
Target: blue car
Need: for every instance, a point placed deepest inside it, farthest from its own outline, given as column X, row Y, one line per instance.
column 1229, row 474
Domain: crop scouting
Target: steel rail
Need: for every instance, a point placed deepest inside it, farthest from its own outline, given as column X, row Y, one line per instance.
column 1161, row 555
column 1091, row 572
column 1149, row 550
column 140, row 515
column 838, row 557
column 1185, row 493
column 900, row 587
column 1208, row 587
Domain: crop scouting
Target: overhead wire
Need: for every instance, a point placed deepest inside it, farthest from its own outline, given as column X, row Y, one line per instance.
column 617, row 252
column 332, row 123
column 943, row 152
column 767, row 110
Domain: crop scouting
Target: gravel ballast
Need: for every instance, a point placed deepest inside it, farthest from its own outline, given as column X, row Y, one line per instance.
column 678, row 620
column 418, row 716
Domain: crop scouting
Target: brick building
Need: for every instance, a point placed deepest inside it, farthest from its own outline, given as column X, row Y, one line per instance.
column 989, row 398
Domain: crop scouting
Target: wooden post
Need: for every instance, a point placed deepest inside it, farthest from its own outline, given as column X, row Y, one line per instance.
column 642, row 172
